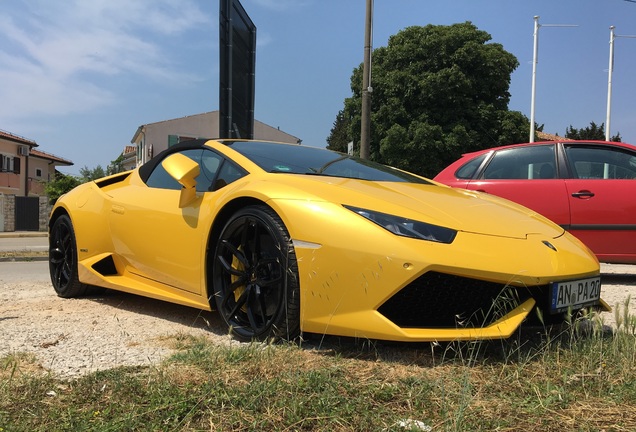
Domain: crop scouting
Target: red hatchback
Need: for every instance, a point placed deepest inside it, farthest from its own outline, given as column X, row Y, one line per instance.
column 589, row 188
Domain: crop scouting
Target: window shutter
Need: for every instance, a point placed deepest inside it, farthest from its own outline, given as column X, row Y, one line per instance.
column 16, row 165
column 172, row 140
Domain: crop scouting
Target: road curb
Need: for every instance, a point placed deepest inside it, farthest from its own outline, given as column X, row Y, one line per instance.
column 22, row 234
column 23, row 258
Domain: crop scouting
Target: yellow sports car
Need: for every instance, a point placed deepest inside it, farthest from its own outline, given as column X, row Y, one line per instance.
column 283, row 239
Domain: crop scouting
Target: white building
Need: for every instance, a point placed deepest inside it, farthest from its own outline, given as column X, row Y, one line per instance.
column 153, row 138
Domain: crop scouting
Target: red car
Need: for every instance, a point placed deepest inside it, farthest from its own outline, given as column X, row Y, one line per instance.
column 589, row 188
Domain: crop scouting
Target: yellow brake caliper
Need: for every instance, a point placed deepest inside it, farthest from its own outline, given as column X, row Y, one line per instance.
column 238, row 292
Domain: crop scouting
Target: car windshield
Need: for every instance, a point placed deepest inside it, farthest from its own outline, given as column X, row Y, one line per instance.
column 297, row 159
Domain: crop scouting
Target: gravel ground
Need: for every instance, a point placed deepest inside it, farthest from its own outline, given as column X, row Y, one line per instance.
column 618, row 286
column 72, row 337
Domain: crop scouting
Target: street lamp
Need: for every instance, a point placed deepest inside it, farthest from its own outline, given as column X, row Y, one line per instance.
column 609, row 79
column 365, row 132
column 535, row 60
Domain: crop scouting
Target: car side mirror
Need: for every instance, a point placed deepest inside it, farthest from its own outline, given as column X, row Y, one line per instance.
column 185, row 171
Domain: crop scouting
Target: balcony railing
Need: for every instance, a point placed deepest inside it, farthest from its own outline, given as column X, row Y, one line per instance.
column 9, row 180
column 12, row 183
column 36, row 187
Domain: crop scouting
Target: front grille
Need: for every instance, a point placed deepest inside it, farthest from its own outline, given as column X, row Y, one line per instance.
column 439, row 300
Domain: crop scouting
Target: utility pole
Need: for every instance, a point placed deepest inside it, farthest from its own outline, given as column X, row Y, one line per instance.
column 535, row 60
column 365, row 135
column 609, row 79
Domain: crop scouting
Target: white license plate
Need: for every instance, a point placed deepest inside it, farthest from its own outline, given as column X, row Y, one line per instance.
column 575, row 294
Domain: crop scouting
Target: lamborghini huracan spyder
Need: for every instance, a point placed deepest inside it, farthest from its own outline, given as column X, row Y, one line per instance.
column 282, row 239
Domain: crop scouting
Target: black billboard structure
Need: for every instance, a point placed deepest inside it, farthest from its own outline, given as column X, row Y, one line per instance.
column 238, row 69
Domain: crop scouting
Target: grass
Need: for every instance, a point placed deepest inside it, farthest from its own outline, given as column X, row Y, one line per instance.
column 25, row 255
column 558, row 382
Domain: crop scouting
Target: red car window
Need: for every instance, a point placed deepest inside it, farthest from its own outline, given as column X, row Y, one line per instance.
column 600, row 163
column 468, row 170
column 522, row 163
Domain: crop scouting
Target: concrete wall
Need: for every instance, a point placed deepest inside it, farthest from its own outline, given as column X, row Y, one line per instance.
column 7, row 203
column 45, row 211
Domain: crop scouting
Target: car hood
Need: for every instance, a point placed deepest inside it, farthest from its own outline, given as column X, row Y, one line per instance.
column 458, row 209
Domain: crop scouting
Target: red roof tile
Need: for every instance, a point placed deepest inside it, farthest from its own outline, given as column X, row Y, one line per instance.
column 17, row 138
column 43, row 155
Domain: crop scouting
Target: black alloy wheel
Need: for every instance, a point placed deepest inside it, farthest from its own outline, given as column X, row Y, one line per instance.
column 255, row 274
column 63, row 259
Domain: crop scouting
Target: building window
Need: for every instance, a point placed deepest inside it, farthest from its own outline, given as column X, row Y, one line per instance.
column 38, row 172
column 6, row 164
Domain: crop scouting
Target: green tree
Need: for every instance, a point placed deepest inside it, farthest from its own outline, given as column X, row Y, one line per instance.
column 92, row 174
column 60, row 185
column 63, row 183
column 438, row 91
column 592, row 132
column 116, row 166
column 338, row 139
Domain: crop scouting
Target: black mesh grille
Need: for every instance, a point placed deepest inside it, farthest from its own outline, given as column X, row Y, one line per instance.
column 438, row 300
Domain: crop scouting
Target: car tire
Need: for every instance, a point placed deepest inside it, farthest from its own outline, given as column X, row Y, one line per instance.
column 63, row 259
column 255, row 277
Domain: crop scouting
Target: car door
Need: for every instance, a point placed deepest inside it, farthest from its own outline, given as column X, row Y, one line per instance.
column 527, row 175
column 602, row 195
column 161, row 240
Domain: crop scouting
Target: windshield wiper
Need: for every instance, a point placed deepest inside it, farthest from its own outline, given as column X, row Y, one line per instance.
column 328, row 164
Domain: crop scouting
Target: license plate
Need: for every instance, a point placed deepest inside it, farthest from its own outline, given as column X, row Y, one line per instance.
column 575, row 294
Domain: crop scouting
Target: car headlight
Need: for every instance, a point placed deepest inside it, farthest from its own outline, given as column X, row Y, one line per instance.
column 407, row 227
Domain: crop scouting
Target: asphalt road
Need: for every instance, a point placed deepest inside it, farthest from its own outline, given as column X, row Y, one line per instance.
column 23, row 241
column 24, row 271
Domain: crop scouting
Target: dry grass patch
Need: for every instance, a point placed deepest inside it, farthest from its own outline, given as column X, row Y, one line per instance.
column 580, row 384
column 25, row 255
column 20, row 364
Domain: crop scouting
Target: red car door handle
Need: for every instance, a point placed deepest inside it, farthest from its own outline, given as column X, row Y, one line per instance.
column 583, row 194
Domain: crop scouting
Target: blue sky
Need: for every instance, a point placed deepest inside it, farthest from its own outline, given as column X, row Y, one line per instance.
column 79, row 77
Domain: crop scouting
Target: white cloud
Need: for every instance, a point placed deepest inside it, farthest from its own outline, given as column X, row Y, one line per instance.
column 57, row 57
